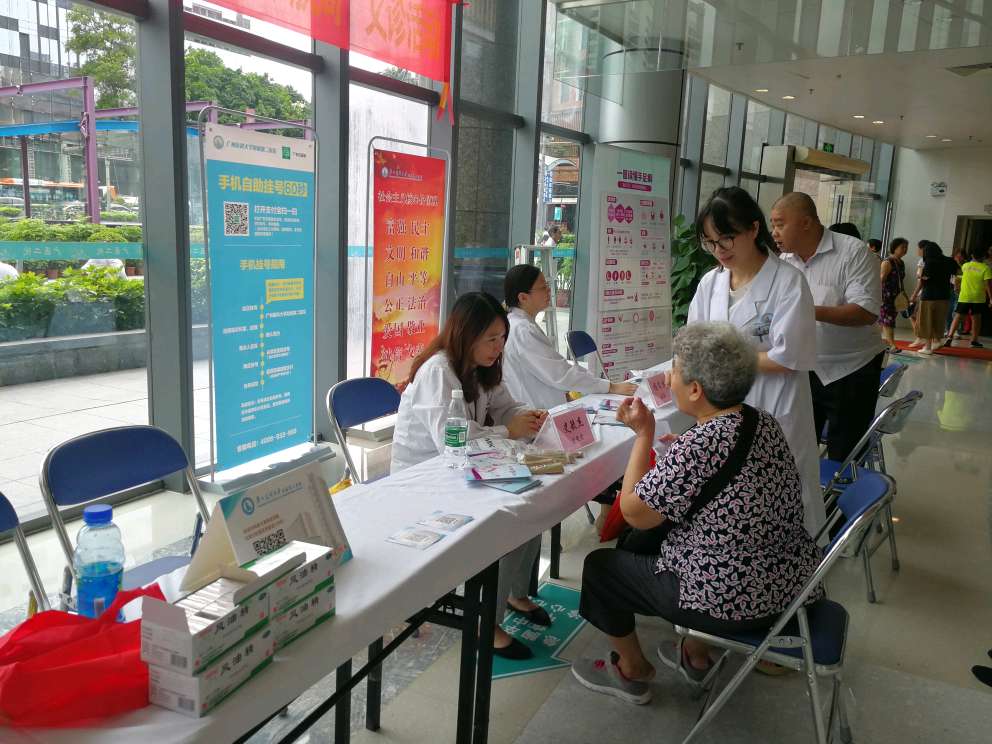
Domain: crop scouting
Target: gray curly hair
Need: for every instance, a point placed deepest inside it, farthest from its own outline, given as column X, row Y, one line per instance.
column 719, row 358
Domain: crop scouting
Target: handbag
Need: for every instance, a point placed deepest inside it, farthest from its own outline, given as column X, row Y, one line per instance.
column 709, row 491
column 901, row 301
column 60, row 669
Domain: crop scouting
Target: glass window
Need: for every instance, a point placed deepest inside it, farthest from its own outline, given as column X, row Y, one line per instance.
column 562, row 104
column 55, row 389
column 489, row 53
column 750, row 185
column 239, row 81
column 826, row 136
column 708, row 183
column 755, row 135
column 717, row 126
column 249, row 25
column 372, row 114
column 482, row 206
column 795, row 127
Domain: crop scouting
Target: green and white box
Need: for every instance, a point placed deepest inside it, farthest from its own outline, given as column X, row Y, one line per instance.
column 304, row 615
column 196, row 696
column 316, row 570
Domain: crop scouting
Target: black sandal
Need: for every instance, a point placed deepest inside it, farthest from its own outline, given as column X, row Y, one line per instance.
column 516, row 651
column 537, row 616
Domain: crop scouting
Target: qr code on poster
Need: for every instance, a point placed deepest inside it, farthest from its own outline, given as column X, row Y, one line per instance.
column 235, row 218
column 269, row 543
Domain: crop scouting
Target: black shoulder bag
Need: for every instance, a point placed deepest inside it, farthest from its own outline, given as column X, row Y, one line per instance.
column 648, row 542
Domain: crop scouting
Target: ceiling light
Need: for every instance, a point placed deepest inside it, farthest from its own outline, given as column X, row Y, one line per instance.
column 946, row 139
column 788, row 98
column 859, row 116
column 878, row 121
column 931, row 136
column 761, row 90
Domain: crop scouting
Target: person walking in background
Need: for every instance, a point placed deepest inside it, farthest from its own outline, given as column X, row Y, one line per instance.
column 934, row 294
column 893, row 274
column 552, row 236
column 843, row 277
column 846, row 228
column 976, row 292
column 960, row 258
column 875, row 246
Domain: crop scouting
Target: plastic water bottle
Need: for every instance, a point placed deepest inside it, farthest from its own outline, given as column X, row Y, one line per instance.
column 456, row 431
column 98, row 560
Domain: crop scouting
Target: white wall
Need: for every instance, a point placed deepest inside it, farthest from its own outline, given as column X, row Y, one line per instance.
column 916, row 214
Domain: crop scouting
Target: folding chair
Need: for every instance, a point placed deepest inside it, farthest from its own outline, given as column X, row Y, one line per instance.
column 868, row 454
column 101, row 463
column 890, row 378
column 580, row 344
column 9, row 523
column 356, row 402
column 809, row 639
column 353, row 403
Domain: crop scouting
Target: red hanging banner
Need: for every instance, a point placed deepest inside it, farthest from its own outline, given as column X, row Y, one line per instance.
column 414, row 35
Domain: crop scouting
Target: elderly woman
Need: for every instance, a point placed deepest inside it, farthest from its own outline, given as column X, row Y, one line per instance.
column 729, row 495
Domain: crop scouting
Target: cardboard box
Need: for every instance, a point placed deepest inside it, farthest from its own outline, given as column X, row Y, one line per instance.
column 304, row 615
column 196, row 696
column 315, row 571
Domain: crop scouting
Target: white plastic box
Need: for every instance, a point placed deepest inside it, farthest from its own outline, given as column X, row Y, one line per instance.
column 196, row 696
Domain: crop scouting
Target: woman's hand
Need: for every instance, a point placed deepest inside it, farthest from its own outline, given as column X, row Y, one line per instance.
column 526, row 424
column 637, row 416
column 622, row 388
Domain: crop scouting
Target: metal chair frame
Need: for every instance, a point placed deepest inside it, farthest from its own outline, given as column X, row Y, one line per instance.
column 856, row 524
column 890, row 384
column 339, row 429
column 53, row 504
column 12, row 524
column 869, row 454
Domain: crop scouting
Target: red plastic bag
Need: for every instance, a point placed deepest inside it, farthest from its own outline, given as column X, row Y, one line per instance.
column 59, row 669
column 614, row 523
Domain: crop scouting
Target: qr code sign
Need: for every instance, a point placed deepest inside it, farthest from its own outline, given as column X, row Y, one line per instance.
column 269, row 543
column 235, row 218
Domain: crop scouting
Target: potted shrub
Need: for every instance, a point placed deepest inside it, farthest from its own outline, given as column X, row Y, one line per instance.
column 691, row 262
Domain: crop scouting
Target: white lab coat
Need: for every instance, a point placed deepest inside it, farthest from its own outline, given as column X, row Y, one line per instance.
column 419, row 431
column 537, row 374
column 776, row 314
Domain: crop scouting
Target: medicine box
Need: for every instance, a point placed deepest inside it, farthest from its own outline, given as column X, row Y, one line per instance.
column 304, row 615
column 315, row 571
column 196, row 696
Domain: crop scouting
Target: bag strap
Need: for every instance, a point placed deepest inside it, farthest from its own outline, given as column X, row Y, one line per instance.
column 730, row 468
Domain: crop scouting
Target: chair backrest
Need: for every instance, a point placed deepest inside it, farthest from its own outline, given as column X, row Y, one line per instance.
column 358, row 401
column 890, row 378
column 10, row 523
column 580, row 343
column 104, row 462
column 890, row 421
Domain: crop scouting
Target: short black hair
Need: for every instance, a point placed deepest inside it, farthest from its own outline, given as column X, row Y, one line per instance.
column 733, row 211
column 875, row 244
column 846, row 228
column 519, row 279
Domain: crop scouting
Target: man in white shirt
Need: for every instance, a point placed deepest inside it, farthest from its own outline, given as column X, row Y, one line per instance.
column 7, row 272
column 552, row 236
column 843, row 276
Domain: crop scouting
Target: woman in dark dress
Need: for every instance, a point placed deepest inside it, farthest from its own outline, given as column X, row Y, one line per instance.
column 893, row 276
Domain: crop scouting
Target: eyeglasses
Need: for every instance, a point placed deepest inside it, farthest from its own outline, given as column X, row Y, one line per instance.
column 724, row 241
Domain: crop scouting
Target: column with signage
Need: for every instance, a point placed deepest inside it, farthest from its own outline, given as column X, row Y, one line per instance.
column 260, row 231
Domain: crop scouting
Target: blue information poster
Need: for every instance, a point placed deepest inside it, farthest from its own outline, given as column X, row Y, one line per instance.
column 260, row 223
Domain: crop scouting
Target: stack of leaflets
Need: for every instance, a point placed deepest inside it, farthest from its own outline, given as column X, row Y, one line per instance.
column 499, row 469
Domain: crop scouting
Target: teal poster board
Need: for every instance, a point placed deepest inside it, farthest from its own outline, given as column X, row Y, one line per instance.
column 260, row 246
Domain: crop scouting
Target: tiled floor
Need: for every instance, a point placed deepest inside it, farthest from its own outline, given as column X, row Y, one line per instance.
column 37, row 416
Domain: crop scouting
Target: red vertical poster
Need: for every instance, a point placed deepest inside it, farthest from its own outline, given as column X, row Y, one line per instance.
column 407, row 259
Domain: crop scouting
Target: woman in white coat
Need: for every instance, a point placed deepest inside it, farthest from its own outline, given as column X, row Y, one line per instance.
column 534, row 372
column 467, row 355
column 771, row 303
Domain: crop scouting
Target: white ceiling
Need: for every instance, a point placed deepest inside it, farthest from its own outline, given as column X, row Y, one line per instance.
column 912, row 92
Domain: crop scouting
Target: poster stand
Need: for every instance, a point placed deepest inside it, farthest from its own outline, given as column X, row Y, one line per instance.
column 370, row 247
column 274, row 460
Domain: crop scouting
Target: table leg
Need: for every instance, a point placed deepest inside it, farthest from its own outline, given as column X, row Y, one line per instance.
column 470, row 644
column 555, row 571
column 342, row 711
column 487, row 629
column 373, row 690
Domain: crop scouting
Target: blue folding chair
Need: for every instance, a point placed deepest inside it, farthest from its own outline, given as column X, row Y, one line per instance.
column 890, row 379
column 10, row 524
column 356, row 402
column 869, row 455
column 810, row 639
column 580, row 344
column 96, row 465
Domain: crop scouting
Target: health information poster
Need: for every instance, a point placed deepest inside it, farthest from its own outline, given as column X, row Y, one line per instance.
column 260, row 222
column 407, row 259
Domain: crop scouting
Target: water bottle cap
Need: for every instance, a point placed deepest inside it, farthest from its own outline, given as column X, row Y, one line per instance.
column 458, row 393
column 98, row 514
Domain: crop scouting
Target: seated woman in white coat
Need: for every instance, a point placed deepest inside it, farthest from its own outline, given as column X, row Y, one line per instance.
column 535, row 373
column 468, row 355
column 770, row 302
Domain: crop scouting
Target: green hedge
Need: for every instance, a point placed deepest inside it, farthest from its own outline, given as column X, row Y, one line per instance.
column 77, row 232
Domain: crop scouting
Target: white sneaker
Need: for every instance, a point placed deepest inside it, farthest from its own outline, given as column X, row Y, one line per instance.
column 925, row 352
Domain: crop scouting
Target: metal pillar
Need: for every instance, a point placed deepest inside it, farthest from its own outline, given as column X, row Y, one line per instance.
column 25, row 176
column 87, row 126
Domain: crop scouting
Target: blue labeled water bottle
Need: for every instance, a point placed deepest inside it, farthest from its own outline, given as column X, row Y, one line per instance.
column 98, row 560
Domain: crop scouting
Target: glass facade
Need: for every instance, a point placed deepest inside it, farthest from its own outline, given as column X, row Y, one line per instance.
column 717, row 126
